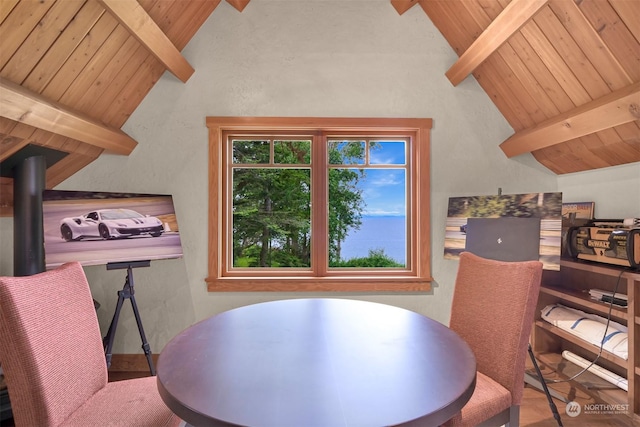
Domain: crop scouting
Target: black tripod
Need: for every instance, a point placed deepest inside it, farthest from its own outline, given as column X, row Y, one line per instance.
column 552, row 405
column 127, row 292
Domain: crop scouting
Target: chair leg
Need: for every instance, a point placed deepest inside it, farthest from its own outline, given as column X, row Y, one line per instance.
column 514, row 416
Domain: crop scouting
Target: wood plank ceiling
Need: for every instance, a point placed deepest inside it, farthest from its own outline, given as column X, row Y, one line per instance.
column 564, row 73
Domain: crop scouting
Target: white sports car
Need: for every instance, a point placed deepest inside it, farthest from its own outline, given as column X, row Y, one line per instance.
column 110, row 224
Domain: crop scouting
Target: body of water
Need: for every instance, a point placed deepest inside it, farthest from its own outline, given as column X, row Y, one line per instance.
column 377, row 232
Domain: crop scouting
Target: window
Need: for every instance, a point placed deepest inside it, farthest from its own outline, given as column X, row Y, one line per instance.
column 318, row 204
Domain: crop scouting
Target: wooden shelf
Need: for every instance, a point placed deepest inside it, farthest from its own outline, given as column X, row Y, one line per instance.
column 582, row 299
column 570, row 286
column 603, row 269
column 592, row 348
column 610, row 394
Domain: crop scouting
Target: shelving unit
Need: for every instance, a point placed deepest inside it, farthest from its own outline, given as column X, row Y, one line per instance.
column 570, row 287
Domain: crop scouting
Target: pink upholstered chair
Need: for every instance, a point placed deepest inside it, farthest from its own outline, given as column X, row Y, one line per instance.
column 493, row 309
column 53, row 358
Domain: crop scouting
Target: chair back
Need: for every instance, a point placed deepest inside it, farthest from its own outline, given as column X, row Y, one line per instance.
column 50, row 344
column 493, row 310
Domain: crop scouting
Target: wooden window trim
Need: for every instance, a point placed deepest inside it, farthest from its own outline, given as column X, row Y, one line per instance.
column 420, row 278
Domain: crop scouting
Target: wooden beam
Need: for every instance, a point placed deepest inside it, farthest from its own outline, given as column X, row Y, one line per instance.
column 24, row 106
column 401, row 6
column 239, row 4
column 511, row 19
column 614, row 109
column 138, row 22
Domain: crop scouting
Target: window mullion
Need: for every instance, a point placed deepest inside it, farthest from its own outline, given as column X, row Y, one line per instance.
column 319, row 198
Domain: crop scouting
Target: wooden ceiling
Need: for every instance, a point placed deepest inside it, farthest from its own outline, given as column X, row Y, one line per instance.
column 565, row 74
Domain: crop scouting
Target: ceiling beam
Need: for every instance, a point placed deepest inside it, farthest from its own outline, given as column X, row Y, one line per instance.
column 401, row 6
column 239, row 4
column 24, row 106
column 616, row 108
column 511, row 19
column 140, row 25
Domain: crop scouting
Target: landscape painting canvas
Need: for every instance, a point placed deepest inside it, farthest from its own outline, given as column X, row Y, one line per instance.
column 546, row 206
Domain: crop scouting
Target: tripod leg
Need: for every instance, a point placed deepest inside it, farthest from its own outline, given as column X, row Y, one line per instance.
column 127, row 292
column 107, row 342
column 145, row 344
column 552, row 405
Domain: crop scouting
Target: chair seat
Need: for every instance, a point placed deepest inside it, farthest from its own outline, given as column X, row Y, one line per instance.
column 124, row 403
column 489, row 399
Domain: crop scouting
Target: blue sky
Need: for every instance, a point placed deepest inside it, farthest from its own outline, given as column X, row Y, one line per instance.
column 384, row 189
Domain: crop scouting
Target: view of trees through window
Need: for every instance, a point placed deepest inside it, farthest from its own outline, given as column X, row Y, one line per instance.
column 272, row 195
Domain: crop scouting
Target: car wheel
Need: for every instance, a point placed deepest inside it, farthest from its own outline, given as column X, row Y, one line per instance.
column 104, row 231
column 156, row 234
column 66, row 232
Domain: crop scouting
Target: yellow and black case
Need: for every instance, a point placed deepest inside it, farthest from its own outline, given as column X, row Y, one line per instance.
column 619, row 246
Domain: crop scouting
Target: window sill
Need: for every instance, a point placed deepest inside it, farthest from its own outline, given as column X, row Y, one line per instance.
column 325, row 284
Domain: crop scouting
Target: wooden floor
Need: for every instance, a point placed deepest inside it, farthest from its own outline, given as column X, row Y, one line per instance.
column 534, row 412
column 586, row 391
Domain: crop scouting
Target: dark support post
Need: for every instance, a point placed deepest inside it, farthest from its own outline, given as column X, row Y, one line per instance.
column 28, row 231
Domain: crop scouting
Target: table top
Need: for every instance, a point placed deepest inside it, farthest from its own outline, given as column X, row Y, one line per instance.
column 316, row 362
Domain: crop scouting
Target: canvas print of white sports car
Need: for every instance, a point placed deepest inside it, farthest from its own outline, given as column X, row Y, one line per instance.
column 110, row 224
column 104, row 228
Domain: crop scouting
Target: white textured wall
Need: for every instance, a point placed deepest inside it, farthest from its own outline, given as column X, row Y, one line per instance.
column 355, row 58
column 615, row 190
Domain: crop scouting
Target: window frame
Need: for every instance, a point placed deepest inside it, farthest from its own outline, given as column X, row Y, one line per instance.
column 417, row 277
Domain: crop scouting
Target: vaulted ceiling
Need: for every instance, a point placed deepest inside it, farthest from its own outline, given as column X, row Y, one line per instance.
column 564, row 73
